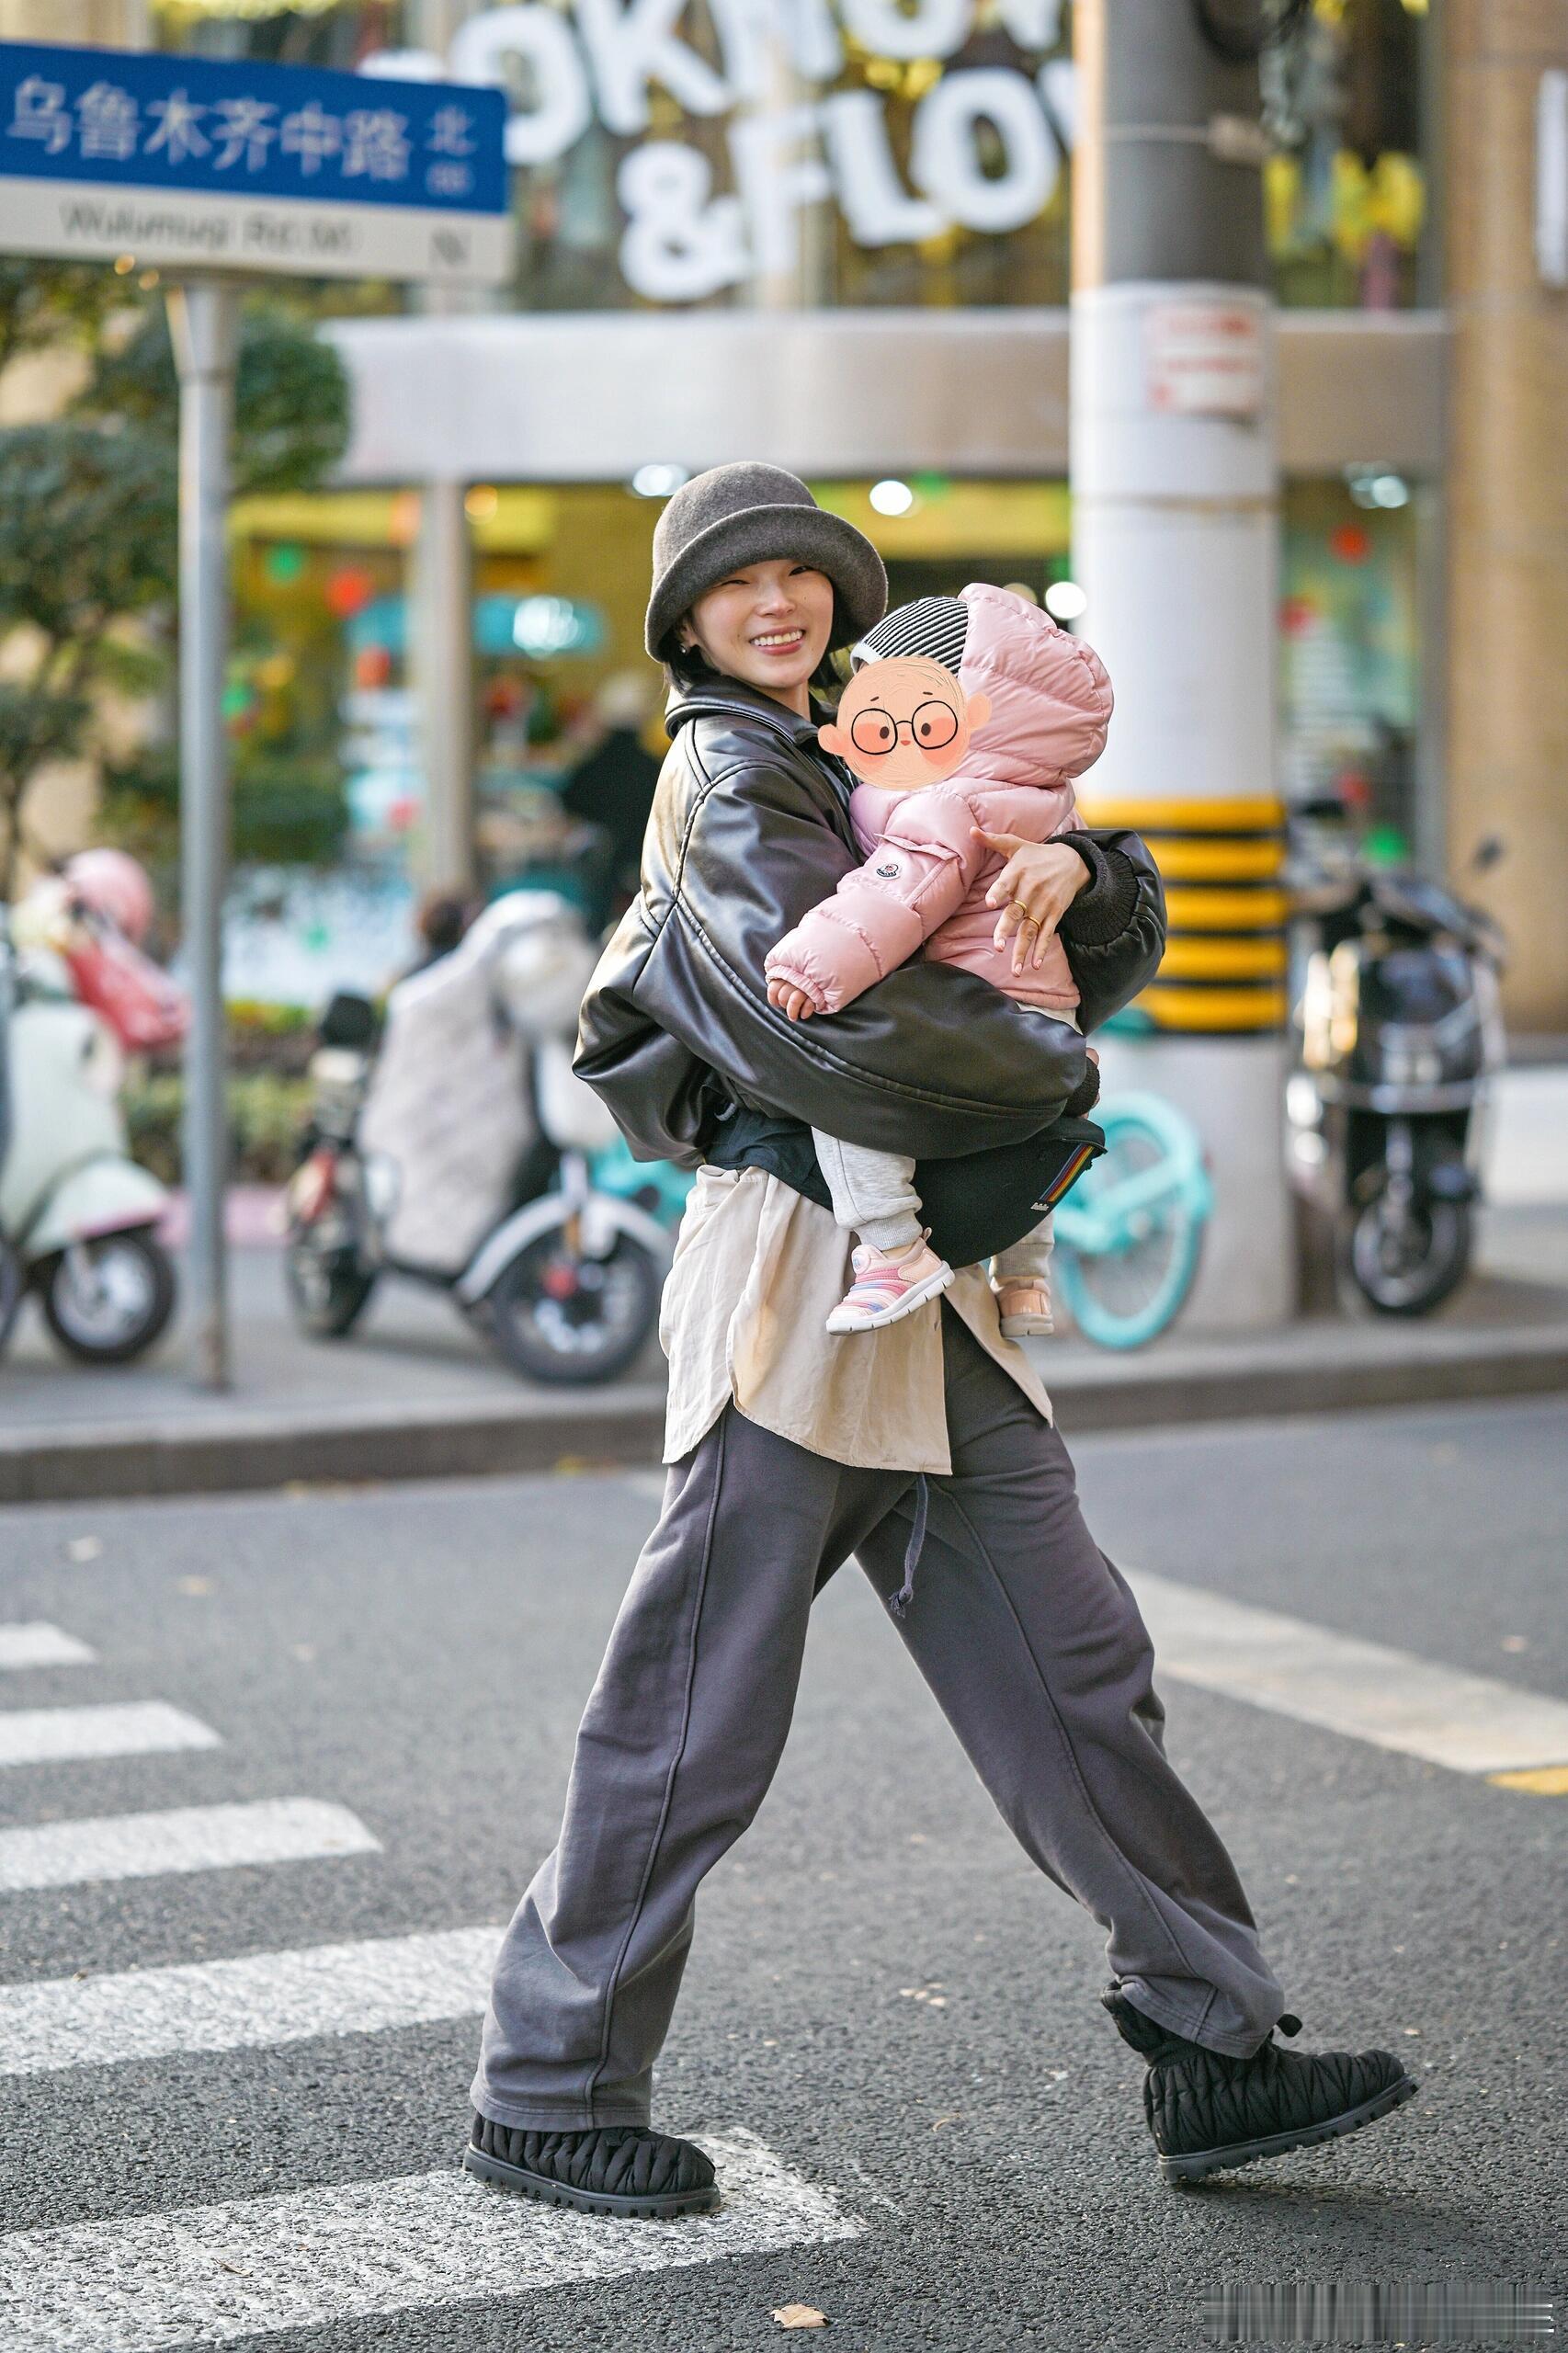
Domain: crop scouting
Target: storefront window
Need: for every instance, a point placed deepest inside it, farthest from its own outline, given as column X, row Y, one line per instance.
column 1350, row 653
column 1345, row 189
column 908, row 153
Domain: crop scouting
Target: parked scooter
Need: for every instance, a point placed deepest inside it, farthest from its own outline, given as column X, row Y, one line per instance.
column 1399, row 1036
column 463, row 1152
column 78, row 1217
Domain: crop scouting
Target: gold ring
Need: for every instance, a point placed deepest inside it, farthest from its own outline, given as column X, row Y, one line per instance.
column 1024, row 915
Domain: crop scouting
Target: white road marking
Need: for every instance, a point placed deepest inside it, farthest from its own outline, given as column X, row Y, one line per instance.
column 130, row 1728
column 206, row 2275
column 186, row 1839
column 1366, row 1690
column 35, row 1644
column 370, row 1987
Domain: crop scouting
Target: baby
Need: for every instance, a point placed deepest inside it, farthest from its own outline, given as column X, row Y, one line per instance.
column 965, row 715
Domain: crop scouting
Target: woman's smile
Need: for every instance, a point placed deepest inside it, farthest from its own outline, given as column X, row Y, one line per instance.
column 768, row 625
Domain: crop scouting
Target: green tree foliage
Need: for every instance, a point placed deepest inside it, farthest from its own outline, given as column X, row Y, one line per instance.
column 89, row 521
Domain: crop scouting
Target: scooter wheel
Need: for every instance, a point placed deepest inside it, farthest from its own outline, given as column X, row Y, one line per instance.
column 328, row 1288
column 108, row 1302
column 13, row 1284
column 559, row 1317
column 1408, row 1269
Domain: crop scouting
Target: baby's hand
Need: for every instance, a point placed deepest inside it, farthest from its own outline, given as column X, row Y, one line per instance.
column 790, row 1000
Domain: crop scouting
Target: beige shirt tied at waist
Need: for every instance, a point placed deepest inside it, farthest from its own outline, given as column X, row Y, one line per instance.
column 758, row 1269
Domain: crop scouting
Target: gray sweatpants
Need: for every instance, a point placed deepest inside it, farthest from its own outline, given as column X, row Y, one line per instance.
column 1030, row 1641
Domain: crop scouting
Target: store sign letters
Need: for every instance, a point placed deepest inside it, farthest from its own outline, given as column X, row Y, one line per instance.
column 986, row 149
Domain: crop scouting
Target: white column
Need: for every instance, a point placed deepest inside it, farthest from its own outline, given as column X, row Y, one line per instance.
column 441, row 661
column 1175, row 539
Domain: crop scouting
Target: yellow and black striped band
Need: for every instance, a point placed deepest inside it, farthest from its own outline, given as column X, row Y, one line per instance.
column 1222, row 861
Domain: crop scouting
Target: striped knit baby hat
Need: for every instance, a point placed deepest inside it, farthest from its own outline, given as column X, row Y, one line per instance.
column 933, row 627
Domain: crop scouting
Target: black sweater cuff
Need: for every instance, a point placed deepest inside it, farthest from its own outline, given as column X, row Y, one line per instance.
column 1103, row 911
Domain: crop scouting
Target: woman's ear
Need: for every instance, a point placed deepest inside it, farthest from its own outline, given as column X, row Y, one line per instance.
column 832, row 739
column 978, row 707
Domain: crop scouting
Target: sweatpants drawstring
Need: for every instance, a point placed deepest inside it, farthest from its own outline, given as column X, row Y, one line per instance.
column 899, row 1603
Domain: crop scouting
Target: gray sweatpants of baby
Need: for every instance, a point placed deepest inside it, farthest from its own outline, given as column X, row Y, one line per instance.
column 1032, row 1644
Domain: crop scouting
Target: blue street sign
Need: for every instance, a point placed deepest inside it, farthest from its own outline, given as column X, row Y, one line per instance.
column 171, row 158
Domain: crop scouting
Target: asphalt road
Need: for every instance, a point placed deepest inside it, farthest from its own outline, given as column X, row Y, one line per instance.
column 881, row 1989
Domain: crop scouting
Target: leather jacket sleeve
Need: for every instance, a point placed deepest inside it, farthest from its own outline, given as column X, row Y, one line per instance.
column 747, row 833
column 932, row 1062
column 1115, row 931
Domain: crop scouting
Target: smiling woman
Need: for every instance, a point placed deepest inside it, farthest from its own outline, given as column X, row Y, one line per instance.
column 768, row 625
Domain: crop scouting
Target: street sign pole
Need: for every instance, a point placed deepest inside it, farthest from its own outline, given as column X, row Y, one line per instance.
column 221, row 171
column 203, row 320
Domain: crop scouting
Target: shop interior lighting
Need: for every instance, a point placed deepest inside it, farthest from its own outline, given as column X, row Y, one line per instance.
column 481, row 503
column 184, row 11
column 892, row 498
column 658, row 480
column 1065, row 601
column 1374, row 487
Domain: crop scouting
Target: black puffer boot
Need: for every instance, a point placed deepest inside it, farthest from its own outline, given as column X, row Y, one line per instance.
column 607, row 2169
column 1206, row 2111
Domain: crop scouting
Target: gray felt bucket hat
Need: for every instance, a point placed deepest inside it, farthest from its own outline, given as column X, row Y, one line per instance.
column 750, row 514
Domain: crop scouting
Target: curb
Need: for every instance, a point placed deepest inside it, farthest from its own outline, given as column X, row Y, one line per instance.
column 227, row 1453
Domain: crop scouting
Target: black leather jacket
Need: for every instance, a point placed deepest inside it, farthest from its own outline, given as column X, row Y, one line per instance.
column 750, row 828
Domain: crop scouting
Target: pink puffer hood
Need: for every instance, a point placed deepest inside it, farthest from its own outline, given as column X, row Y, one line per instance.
column 1050, row 699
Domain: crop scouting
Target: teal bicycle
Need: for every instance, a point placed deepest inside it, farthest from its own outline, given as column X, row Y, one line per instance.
column 1129, row 1233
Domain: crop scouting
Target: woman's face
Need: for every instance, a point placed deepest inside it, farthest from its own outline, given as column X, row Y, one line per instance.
column 768, row 625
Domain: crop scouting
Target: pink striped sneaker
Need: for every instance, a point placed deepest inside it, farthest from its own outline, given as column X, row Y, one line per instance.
column 885, row 1288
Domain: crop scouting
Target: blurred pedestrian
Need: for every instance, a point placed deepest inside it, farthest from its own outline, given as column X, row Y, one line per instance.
column 440, row 922
column 613, row 786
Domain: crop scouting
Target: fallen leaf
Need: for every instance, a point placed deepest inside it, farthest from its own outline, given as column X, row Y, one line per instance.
column 799, row 2316
column 83, row 1548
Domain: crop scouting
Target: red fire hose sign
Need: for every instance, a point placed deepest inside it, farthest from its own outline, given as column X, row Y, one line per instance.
column 1205, row 358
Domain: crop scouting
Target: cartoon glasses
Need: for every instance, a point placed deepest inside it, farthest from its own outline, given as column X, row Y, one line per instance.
column 933, row 727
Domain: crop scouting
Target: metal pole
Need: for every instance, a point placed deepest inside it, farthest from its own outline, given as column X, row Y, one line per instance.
column 203, row 320
column 1174, row 477
column 440, row 635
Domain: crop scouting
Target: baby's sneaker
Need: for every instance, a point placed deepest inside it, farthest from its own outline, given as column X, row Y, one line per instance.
column 1025, row 1310
column 886, row 1288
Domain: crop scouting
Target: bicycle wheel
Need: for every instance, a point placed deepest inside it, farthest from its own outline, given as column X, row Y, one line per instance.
column 1123, row 1295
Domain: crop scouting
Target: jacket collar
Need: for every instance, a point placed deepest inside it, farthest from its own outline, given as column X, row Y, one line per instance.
column 723, row 698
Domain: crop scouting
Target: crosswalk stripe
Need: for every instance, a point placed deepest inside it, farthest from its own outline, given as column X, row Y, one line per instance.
column 184, row 1838
column 114, row 1728
column 1364, row 1689
column 34, row 1644
column 206, row 2275
column 371, row 1988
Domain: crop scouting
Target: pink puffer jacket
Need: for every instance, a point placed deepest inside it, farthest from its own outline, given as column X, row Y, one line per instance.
column 926, row 876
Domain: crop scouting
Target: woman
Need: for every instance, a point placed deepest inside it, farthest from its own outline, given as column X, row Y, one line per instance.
column 790, row 1450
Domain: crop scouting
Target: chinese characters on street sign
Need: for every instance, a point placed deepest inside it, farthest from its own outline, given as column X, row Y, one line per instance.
column 187, row 160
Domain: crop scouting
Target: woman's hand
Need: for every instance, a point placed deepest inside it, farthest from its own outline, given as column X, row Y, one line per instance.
column 791, row 1001
column 1034, row 891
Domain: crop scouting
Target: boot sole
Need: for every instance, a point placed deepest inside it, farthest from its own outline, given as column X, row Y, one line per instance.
column 1203, row 2162
column 523, row 2184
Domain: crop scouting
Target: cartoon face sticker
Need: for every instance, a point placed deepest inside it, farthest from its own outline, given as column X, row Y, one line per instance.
column 904, row 722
